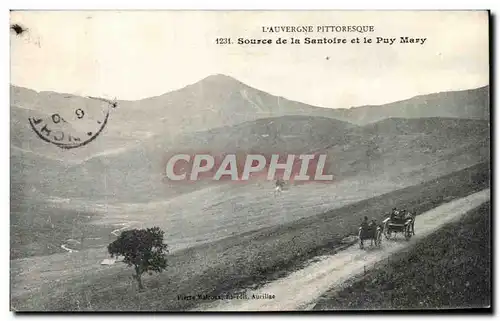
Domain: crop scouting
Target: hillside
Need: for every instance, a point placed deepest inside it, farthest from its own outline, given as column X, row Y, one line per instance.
column 449, row 269
column 26, row 103
column 138, row 173
column 220, row 266
column 33, row 175
column 213, row 102
column 397, row 148
column 394, row 149
column 471, row 104
column 290, row 134
column 221, row 114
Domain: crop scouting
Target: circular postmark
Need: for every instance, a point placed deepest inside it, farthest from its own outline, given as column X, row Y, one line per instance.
column 74, row 127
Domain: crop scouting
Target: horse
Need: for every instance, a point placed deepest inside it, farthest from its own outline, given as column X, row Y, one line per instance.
column 278, row 190
column 280, row 184
column 410, row 215
column 372, row 233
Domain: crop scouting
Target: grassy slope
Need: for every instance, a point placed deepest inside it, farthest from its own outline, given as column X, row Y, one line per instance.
column 246, row 259
column 32, row 232
column 449, row 269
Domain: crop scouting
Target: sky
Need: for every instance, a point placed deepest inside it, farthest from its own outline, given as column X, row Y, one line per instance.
column 138, row 54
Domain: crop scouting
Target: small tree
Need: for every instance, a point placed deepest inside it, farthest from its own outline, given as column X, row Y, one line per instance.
column 143, row 249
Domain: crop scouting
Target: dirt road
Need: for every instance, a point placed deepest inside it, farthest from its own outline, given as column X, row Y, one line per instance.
column 300, row 289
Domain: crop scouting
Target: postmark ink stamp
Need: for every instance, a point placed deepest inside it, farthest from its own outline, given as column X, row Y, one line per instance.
column 76, row 127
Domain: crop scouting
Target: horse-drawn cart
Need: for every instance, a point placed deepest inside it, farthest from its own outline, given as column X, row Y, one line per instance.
column 405, row 224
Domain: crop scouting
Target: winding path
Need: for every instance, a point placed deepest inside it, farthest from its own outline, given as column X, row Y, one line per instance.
column 68, row 249
column 116, row 232
column 124, row 226
column 300, row 289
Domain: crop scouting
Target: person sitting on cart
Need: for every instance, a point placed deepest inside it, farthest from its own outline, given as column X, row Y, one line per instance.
column 394, row 214
column 364, row 224
column 397, row 216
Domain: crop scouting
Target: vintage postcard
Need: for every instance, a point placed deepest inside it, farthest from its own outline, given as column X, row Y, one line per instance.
column 249, row 160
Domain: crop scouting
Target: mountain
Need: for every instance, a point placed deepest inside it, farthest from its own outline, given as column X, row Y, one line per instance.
column 217, row 101
column 470, row 104
column 220, row 100
column 221, row 114
column 213, row 102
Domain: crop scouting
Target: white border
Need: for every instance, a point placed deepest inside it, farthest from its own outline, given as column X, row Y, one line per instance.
column 255, row 4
